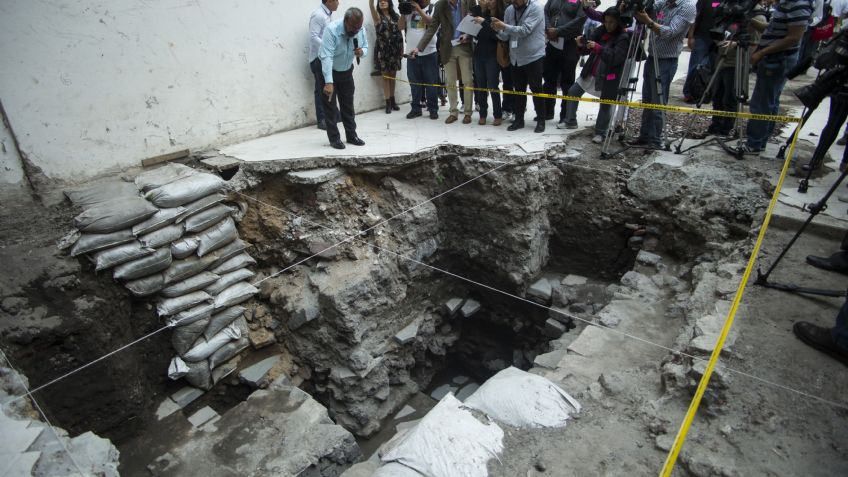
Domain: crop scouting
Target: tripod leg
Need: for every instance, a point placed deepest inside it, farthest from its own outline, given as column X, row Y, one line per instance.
column 626, row 88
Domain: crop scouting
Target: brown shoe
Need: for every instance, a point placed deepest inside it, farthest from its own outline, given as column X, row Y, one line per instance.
column 451, row 119
column 466, row 119
column 481, row 122
column 497, row 122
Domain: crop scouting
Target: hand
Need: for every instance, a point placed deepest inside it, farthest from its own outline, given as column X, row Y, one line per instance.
column 464, row 38
column 328, row 89
column 591, row 45
column 552, row 33
column 756, row 57
column 690, row 42
column 358, row 52
column 643, row 17
column 478, row 20
column 579, row 40
column 498, row 25
column 414, row 52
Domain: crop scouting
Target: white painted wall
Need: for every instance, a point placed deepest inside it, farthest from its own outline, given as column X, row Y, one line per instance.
column 97, row 85
column 11, row 169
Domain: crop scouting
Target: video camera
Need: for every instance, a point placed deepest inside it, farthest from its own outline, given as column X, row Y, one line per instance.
column 730, row 13
column 628, row 9
column 833, row 60
column 405, row 7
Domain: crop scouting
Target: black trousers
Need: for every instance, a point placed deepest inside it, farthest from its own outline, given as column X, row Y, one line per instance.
column 343, row 89
column 529, row 74
column 559, row 71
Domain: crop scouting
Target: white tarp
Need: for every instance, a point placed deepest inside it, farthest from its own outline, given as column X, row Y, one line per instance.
column 522, row 399
column 448, row 442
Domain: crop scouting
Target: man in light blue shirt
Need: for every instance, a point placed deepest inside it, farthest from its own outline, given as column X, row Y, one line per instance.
column 343, row 41
column 318, row 21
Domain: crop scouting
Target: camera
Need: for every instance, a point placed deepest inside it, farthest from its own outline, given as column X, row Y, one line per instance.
column 730, row 13
column 628, row 9
column 405, row 7
column 833, row 59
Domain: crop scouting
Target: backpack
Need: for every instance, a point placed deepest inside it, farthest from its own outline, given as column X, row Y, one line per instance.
column 697, row 82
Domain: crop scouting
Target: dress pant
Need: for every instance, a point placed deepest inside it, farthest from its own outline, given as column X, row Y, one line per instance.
column 343, row 89
column 529, row 74
column 459, row 63
column 508, row 102
column 315, row 67
column 559, row 72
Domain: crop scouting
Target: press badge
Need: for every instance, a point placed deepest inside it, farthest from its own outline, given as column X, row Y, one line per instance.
column 513, row 44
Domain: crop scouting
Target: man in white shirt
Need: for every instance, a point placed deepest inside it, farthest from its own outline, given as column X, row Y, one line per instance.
column 318, row 21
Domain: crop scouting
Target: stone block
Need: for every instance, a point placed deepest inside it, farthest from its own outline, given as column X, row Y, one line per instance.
column 707, row 330
column 220, row 163
column 452, row 306
column 186, row 396
column 255, row 374
column 408, row 333
column 202, row 416
column 261, row 338
column 550, row 360
column 554, row 329
column 166, row 408
column 314, row 176
column 540, row 291
column 574, row 281
column 648, row 258
column 469, row 308
column 406, row 411
column 303, row 315
column 466, row 391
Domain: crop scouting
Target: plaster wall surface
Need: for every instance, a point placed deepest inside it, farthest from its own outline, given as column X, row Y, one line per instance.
column 11, row 169
column 94, row 86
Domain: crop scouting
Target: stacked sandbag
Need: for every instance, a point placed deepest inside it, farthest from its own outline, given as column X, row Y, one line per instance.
column 172, row 234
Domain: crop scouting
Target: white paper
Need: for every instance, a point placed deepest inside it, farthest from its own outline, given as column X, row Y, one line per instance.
column 467, row 25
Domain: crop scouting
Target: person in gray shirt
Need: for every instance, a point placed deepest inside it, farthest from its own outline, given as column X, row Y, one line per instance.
column 524, row 28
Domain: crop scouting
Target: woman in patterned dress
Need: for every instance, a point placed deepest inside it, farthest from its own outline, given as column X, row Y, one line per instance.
column 389, row 49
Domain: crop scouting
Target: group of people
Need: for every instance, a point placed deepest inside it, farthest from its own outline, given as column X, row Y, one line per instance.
column 530, row 43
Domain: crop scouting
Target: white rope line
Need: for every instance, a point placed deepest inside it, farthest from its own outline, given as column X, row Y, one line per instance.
column 41, row 411
column 174, row 324
column 561, row 312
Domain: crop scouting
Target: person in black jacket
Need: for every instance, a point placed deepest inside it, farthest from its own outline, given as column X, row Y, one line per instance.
column 607, row 47
column 564, row 21
column 485, row 60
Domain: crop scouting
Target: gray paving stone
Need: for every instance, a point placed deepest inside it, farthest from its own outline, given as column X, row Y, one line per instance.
column 166, row 408
column 540, row 291
column 648, row 258
column 467, row 391
column 452, row 306
column 550, row 360
column 407, row 410
column 254, row 375
column 574, row 280
column 202, row 416
column 408, row 333
column 186, row 396
column 314, row 176
column 553, row 328
column 469, row 308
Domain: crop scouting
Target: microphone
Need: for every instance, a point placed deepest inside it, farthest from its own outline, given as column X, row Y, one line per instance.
column 356, row 47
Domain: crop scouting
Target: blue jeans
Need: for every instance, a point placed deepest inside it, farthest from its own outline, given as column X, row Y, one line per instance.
column 604, row 114
column 652, row 120
column 424, row 69
column 771, row 77
column 700, row 55
column 486, row 73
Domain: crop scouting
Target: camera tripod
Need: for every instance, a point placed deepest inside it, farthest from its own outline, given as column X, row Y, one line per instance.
column 740, row 89
column 627, row 87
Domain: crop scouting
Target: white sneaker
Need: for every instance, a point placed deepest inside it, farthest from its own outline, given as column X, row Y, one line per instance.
column 560, row 125
column 507, row 116
column 598, row 139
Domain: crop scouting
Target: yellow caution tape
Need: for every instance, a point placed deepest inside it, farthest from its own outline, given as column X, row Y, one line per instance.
column 728, row 323
column 658, row 107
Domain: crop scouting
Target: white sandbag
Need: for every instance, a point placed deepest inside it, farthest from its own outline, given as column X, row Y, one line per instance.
column 170, row 306
column 227, row 352
column 183, row 337
column 197, row 282
column 99, row 193
column 146, row 286
column 448, row 442
column 121, row 254
column 199, row 375
column 205, row 348
column 163, row 218
column 229, row 279
column 88, row 243
column 177, row 368
column 239, row 261
column 185, row 190
column 187, row 267
column 114, row 215
column 184, row 247
column 207, row 218
column 193, row 314
column 235, row 294
column 216, row 237
column 144, row 266
column 522, row 399
column 227, row 252
column 162, row 175
column 163, row 236
column 201, row 204
column 221, row 320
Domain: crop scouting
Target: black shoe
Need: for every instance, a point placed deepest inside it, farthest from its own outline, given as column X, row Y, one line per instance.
column 838, row 262
column 337, row 144
column 540, row 127
column 434, row 115
column 821, row 339
column 413, row 114
column 322, row 125
column 356, row 141
column 394, row 105
column 518, row 124
column 388, row 107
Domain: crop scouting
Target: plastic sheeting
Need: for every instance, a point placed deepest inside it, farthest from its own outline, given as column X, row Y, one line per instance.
column 522, row 399
column 448, row 442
